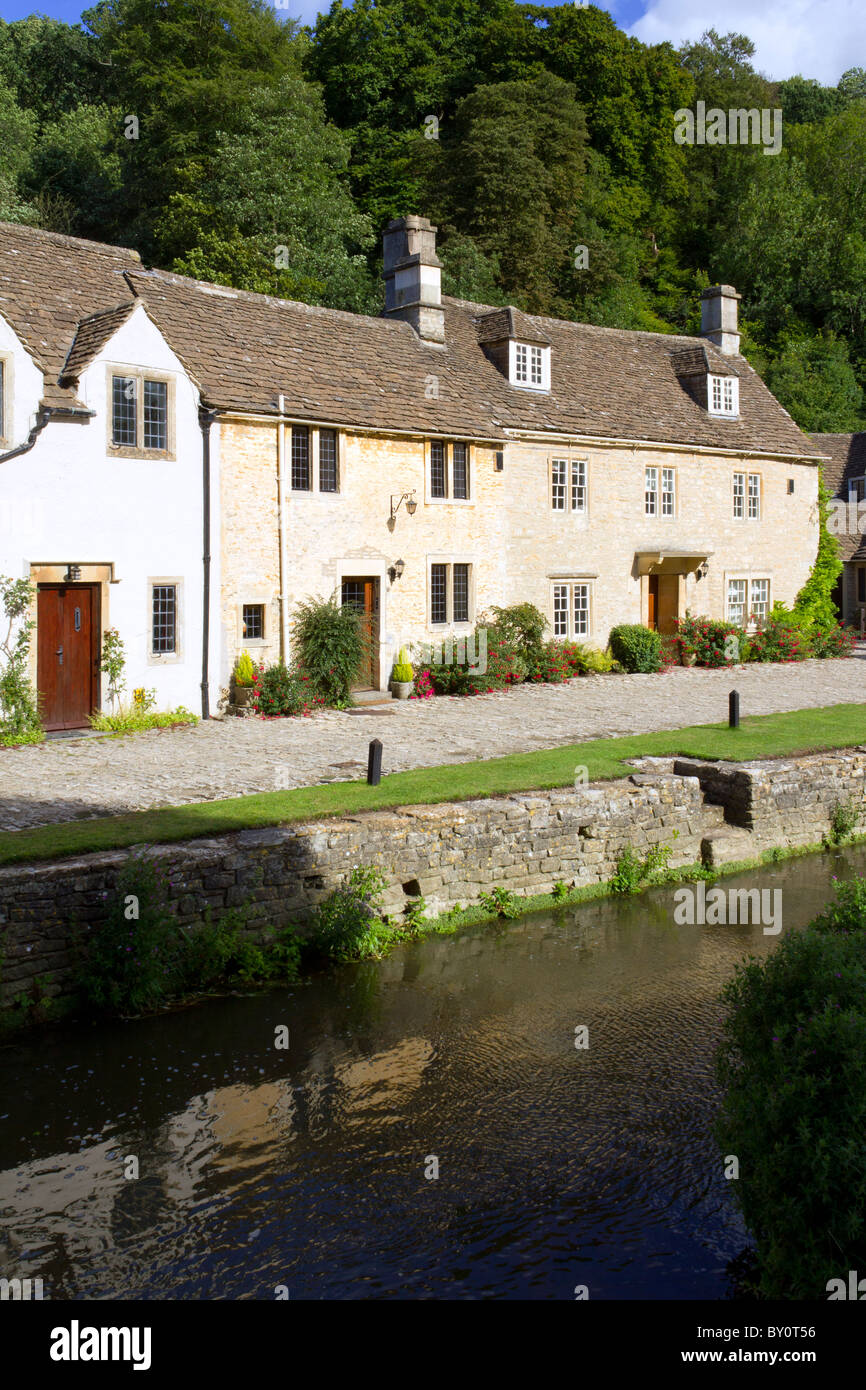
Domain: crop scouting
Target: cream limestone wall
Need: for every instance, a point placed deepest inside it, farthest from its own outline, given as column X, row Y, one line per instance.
column 334, row 536
column 509, row 534
column 604, row 542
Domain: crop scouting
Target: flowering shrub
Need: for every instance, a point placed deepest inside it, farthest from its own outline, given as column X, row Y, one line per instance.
column 780, row 637
column 279, row 692
column 833, row 641
column 549, row 665
column 423, row 685
column 709, row 641
column 504, row 668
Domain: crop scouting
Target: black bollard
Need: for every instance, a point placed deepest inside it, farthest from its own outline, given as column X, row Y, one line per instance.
column 374, row 763
column 734, row 709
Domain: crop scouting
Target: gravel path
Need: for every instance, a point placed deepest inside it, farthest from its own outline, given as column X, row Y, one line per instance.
column 67, row 779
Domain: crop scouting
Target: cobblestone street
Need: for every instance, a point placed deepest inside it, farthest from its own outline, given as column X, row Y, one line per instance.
column 66, row 779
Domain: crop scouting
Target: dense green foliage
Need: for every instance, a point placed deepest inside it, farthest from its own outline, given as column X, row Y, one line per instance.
column 19, row 706
column 794, row 1106
column 538, row 138
column 138, row 956
column 636, row 648
column 349, row 924
column 330, row 647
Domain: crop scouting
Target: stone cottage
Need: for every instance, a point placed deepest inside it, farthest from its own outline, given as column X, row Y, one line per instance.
column 186, row 462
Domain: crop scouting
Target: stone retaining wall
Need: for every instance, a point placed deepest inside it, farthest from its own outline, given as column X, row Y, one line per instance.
column 448, row 853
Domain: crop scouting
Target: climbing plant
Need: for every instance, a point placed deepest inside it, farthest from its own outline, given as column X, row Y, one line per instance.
column 19, row 702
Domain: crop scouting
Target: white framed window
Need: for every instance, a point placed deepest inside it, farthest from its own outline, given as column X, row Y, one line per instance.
column 669, row 492
column 571, row 609
column 651, row 492
column 723, row 396
column 748, row 600
column 529, row 366
column 578, row 485
column 754, row 496
column 739, row 496
column 759, row 600
column 558, row 482
column 736, row 605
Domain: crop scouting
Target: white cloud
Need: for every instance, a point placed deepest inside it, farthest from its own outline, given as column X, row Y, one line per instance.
column 818, row 38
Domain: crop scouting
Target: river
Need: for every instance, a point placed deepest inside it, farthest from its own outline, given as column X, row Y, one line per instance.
column 310, row 1170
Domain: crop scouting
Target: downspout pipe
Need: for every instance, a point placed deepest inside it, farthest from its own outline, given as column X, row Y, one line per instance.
column 205, row 419
column 281, row 497
column 43, row 415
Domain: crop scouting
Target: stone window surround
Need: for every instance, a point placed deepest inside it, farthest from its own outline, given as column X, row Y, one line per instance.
column 7, row 398
column 291, row 493
column 449, row 500
column 571, row 579
column 176, row 657
column 449, row 560
column 264, row 602
column 567, row 457
column 140, row 375
column 748, row 576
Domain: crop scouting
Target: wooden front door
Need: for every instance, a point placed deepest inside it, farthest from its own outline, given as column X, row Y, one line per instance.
column 363, row 595
column 67, row 653
column 663, row 594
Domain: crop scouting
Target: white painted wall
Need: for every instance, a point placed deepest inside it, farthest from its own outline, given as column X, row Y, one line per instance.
column 68, row 501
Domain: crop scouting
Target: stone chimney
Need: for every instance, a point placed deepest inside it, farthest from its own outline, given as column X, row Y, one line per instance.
column 719, row 317
column 412, row 277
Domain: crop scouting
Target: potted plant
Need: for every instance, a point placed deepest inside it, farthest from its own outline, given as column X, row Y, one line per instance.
column 403, row 677
column 242, row 679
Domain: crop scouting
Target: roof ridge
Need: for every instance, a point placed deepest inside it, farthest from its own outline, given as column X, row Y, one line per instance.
column 172, row 277
column 104, row 246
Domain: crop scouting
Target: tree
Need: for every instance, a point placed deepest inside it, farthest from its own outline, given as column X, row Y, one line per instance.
column 813, row 378
column 276, row 180
column 17, row 138
column 509, row 176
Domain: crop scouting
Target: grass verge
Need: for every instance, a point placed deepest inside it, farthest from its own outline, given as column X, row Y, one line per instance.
column 761, row 736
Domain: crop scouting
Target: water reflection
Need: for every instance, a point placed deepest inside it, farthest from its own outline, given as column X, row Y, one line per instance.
column 306, row 1167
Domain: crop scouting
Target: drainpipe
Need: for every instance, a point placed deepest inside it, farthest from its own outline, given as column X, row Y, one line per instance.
column 205, row 419
column 281, row 470
column 43, row 415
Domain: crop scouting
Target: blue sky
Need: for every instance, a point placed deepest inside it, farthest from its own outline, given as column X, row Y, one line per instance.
column 818, row 38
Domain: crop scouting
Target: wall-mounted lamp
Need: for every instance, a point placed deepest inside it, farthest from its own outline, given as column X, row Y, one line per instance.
column 703, row 570
column 396, row 570
column 411, row 504
column 72, row 575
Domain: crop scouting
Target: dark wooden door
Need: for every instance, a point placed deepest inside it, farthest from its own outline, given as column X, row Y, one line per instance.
column 363, row 595
column 67, row 654
column 652, row 613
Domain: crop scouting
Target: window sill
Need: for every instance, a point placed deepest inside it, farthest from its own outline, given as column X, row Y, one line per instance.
column 161, row 455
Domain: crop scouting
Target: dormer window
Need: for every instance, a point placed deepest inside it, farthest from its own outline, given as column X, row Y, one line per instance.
column 530, row 366
column 723, row 395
